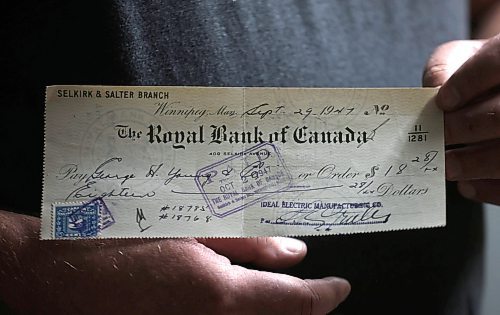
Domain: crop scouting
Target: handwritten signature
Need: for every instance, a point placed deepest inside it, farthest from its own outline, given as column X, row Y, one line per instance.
column 326, row 218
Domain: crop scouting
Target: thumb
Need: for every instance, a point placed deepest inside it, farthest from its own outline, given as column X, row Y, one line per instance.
column 267, row 252
column 446, row 59
column 260, row 292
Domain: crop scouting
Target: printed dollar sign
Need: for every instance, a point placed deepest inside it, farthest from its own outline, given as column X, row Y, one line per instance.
column 373, row 170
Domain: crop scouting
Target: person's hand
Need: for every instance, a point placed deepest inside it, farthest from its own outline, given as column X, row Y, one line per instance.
column 142, row 276
column 469, row 75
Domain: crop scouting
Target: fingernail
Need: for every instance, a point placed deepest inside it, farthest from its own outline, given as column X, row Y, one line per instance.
column 467, row 190
column 342, row 284
column 293, row 245
column 453, row 167
column 449, row 97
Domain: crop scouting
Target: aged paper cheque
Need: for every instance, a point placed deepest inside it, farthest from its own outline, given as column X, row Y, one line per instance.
column 234, row 162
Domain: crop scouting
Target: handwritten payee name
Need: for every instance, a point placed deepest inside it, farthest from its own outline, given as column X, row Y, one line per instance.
column 118, row 183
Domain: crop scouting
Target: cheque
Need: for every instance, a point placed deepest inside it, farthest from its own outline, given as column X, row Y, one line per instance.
column 240, row 162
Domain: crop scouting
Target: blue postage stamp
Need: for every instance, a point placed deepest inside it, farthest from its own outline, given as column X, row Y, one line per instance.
column 81, row 221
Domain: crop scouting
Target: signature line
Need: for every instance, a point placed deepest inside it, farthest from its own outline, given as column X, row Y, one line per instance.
column 255, row 193
column 322, row 224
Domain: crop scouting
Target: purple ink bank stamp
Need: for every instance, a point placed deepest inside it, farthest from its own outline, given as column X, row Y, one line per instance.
column 243, row 179
column 81, row 221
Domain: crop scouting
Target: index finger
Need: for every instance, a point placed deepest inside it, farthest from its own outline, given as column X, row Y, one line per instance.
column 477, row 76
column 260, row 292
column 268, row 252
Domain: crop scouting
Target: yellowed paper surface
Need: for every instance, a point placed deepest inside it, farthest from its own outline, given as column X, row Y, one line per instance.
column 235, row 162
